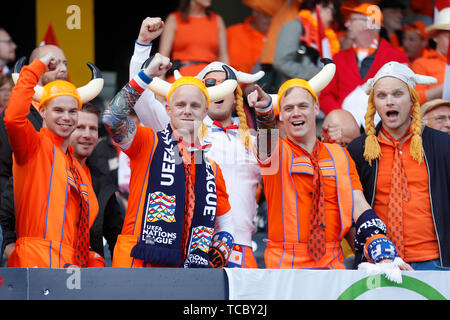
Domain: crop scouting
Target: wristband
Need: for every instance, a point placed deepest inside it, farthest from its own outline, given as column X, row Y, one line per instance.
column 143, row 44
column 266, row 109
column 140, row 81
column 367, row 225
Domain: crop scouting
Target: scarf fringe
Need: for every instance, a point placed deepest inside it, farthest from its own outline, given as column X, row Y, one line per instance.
column 156, row 255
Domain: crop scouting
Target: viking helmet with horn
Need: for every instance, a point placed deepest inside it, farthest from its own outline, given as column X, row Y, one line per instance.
column 216, row 93
column 313, row 86
column 60, row 87
column 241, row 77
column 372, row 150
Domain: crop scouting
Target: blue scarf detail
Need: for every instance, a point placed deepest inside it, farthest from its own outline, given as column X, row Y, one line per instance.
column 163, row 219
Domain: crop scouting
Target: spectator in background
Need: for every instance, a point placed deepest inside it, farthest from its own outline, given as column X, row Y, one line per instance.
column 391, row 29
column 436, row 114
column 7, row 51
column 435, row 61
column 415, row 41
column 6, row 85
column 193, row 37
column 419, row 10
column 288, row 10
column 339, row 127
column 354, row 66
column 298, row 46
column 246, row 39
column 109, row 220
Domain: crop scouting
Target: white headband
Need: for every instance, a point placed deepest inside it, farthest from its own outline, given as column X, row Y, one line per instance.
column 401, row 72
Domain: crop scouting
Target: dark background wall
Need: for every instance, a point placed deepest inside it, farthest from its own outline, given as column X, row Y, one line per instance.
column 116, row 27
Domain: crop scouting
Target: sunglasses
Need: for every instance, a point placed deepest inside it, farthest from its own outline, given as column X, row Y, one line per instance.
column 211, row 82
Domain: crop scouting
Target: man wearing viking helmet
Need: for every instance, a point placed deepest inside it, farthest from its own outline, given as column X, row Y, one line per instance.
column 230, row 139
column 55, row 204
column 178, row 210
column 312, row 188
column 404, row 168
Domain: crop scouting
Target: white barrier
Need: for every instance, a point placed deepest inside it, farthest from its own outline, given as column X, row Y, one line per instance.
column 271, row 284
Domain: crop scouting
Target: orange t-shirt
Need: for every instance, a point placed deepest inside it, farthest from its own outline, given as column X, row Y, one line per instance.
column 244, row 45
column 140, row 156
column 303, row 184
column 418, row 227
column 434, row 65
column 196, row 40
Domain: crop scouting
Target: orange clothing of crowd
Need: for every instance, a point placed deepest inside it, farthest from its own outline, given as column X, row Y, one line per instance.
column 311, row 32
column 287, row 12
column 419, row 232
column 244, row 45
column 289, row 201
column 47, row 202
column 425, row 53
column 434, row 65
column 195, row 40
column 141, row 153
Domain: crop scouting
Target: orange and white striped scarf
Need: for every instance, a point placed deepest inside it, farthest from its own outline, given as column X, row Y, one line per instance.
column 363, row 53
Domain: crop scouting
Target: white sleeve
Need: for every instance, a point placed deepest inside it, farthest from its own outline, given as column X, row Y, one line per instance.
column 140, row 54
column 149, row 110
column 224, row 223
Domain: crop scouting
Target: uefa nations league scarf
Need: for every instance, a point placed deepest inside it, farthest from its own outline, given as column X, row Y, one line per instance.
column 163, row 218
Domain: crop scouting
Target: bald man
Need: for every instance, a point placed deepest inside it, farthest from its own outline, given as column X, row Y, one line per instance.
column 339, row 127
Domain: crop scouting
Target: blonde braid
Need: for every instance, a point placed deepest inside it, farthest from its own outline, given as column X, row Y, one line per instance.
column 244, row 131
column 416, row 148
column 202, row 131
column 372, row 148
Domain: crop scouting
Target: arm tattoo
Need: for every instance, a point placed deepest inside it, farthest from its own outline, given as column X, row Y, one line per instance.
column 267, row 135
column 115, row 116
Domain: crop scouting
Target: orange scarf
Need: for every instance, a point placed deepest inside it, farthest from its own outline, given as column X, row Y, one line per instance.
column 363, row 53
column 311, row 32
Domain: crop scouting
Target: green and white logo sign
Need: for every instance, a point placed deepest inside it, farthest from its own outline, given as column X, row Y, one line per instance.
column 411, row 287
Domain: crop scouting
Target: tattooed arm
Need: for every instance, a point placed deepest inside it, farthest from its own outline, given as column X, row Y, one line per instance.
column 114, row 118
column 121, row 129
column 267, row 135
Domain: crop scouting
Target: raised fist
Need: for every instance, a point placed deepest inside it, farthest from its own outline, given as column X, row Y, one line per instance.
column 151, row 28
column 158, row 66
column 50, row 61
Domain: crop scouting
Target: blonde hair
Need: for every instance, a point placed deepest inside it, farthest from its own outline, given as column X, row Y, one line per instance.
column 244, row 131
column 372, row 148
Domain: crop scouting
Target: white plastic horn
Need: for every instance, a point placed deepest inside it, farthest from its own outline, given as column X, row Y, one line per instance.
column 324, row 77
column 216, row 93
column 220, row 91
column 93, row 87
column 160, row 87
column 318, row 82
column 244, row 77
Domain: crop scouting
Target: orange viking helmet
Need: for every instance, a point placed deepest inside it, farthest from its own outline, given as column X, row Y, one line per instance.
column 83, row 94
